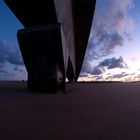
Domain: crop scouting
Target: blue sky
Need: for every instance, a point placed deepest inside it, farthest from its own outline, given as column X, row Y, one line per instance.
column 8, row 24
column 113, row 48
column 11, row 63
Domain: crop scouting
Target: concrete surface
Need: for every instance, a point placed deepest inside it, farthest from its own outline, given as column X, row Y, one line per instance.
column 88, row 111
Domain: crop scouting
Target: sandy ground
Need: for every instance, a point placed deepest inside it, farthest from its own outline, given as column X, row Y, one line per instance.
column 89, row 111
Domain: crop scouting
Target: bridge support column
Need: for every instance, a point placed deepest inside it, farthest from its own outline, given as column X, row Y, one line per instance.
column 42, row 52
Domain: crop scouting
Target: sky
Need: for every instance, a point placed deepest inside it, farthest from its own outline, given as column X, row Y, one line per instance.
column 112, row 52
column 113, row 48
column 11, row 63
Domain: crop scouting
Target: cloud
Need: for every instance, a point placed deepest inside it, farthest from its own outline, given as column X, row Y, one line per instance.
column 103, row 66
column 10, row 71
column 121, row 75
column 19, row 68
column 10, row 53
column 98, row 70
column 3, row 72
column 11, row 62
column 111, row 63
column 111, row 27
column 86, row 67
column 98, row 77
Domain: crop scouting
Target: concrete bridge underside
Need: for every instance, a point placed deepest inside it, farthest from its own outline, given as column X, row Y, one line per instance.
column 54, row 40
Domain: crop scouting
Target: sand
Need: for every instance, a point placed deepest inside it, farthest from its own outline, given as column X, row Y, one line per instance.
column 88, row 111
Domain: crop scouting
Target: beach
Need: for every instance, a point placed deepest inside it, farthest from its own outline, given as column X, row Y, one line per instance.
column 87, row 111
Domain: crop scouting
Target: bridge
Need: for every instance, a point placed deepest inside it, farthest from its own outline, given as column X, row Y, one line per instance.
column 54, row 39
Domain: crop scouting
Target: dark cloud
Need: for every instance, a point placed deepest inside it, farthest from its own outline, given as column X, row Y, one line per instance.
column 98, row 70
column 86, row 67
column 10, row 53
column 121, row 75
column 111, row 63
column 110, row 41
column 98, row 77
column 83, row 74
column 11, row 62
column 3, row 72
column 18, row 69
column 111, row 28
column 1, row 65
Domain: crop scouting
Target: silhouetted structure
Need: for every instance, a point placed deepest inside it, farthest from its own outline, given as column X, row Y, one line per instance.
column 54, row 40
